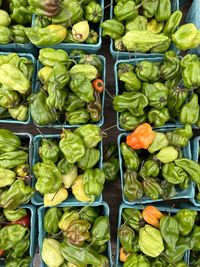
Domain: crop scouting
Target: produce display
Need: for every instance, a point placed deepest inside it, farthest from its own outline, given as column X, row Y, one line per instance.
column 149, row 26
column 157, row 165
column 14, row 170
column 71, row 161
column 111, row 162
column 158, row 91
column 153, row 237
column 196, row 151
column 75, row 236
column 15, row 237
column 71, row 91
column 15, row 18
column 16, row 77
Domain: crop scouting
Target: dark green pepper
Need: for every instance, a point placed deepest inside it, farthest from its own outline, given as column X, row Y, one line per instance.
column 112, row 28
column 125, row 10
column 126, row 236
column 131, row 159
column 152, row 188
column 51, row 220
column 8, row 141
column 133, row 218
column 132, row 187
column 170, row 66
column 111, row 169
column 79, row 116
column 180, row 136
column 186, row 220
column 89, row 214
column 190, row 111
column 100, row 232
column 49, row 150
column 163, row 11
column 95, row 108
column 129, row 121
column 149, row 169
column 173, row 174
column 176, row 99
column 89, row 159
column 148, row 71
column 73, row 102
column 158, row 117
column 172, row 23
column 191, row 167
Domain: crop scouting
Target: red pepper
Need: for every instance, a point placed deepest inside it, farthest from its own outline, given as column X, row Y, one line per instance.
column 25, row 221
column 98, row 85
column 1, row 252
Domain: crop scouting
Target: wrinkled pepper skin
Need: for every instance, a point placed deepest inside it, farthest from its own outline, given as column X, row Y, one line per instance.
column 130, row 122
column 133, row 218
column 126, row 236
column 111, row 169
column 100, row 231
column 148, row 71
column 95, row 108
column 125, row 10
column 49, row 150
column 73, row 102
column 113, row 28
column 14, row 215
column 149, row 8
column 132, row 187
column 18, row 34
column 131, row 159
column 79, row 116
column 137, row 260
column 173, row 174
column 93, row 12
column 172, row 23
column 158, row 117
column 152, row 188
column 149, row 169
column 189, row 75
column 196, row 235
column 90, row 159
column 163, row 11
column 170, row 66
column 8, row 141
column 186, row 220
column 138, row 23
column 131, row 81
column 13, row 159
column 9, row 98
column 51, row 220
column 48, row 56
column 191, row 167
column 181, row 136
column 44, row 8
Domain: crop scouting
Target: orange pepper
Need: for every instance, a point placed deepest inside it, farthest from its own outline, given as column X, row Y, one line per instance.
column 142, row 137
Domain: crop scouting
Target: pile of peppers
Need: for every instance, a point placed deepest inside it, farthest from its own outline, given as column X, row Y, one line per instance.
column 70, row 90
column 14, row 171
column 149, row 26
column 71, row 162
column 159, row 92
column 15, row 17
column 66, row 21
column 153, row 238
column 154, row 164
column 15, row 86
column 75, row 237
column 15, row 237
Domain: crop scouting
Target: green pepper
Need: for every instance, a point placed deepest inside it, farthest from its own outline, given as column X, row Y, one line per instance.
column 26, row 66
column 17, row 194
column 158, row 117
column 93, row 12
column 160, row 141
column 112, row 28
column 56, row 98
column 156, row 94
column 69, row 172
column 68, row 217
column 179, row 264
column 89, row 159
column 149, row 8
column 25, row 262
column 125, row 11
column 167, row 154
column 132, row 83
column 59, row 77
column 51, row 253
column 49, row 150
column 81, row 86
column 14, row 215
column 51, row 220
column 73, row 102
column 41, row 21
column 71, row 146
column 189, row 75
column 123, row 68
column 126, row 237
column 79, row 116
column 93, row 182
column 169, row 190
column 138, row 23
column 137, row 260
column 152, row 188
column 111, row 169
column 90, row 135
column 5, row 19
column 19, row 113
column 100, row 231
column 95, row 108
column 132, row 187
column 20, row 12
column 93, row 60
column 89, row 214
column 41, row 113
column 8, row 141
column 176, row 99
column 180, row 136
column 18, row 34
column 13, row 159
column 159, row 262
column 170, row 66
column 188, row 59
column 133, row 218
column 9, row 98
column 134, row 102
column 21, row 248
column 172, row 23
column 92, row 38
column 163, row 11
column 149, row 169
column 49, row 178
column 130, row 122
column 130, row 157
column 186, row 37
column 169, row 229
column 186, row 219
column 48, row 56
column 147, row 71
column 191, row 167
column 173, row 174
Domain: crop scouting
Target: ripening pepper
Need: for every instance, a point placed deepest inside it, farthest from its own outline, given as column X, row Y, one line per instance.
column 186, row 219
column 13, row 159
column 111, row 169
column 129, row 121
column 100, row 232
column 18, row 34
column 49, row 8
column 149, row 8
column 69, row 172
column 154, row 26
column 49, row 150
column 112, row 28
column 158, row 117
column 125, row 10
column 89, row 159
column 8, row 98
column 133, row 218
column 171, row 65
column 48, row 56
column 90, row 134
column 148, row 71
column 49, row 178
column 73, row 102
column 93, row 12
column 180, row 136
column 137, row 260
column 19, row 113
column 41, row 113
column 67, row 218
column 8, row 141
column 191, row 167
column 71, row 146
column 7, row 177
column 82, row 87
column 163, row 11
column 134, row 102
column 132, row 83
column 190, row 75
column 138, row 23
column 149, row 169
column 160, row 141
column 156, row 94
column 51, row 253
column 92, row 37
column 79, row 116
column 186, row 37
column 172, row 23
column 50, row 35
column 132, row 187
column 152, row 188
column 17, row 194
column 78, row 190
column 130, row 157
column 93, row 182
column 95, row 108
column 54, row 199
column 126, row 236
column 173, row 174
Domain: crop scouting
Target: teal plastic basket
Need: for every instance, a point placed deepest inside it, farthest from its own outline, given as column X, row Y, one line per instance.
column 163, row 208
column 33, row 233
column 193, row 16
column 32, row 58
column 37, row 198
column 128, row 55
column 134, row 62
column 19, row 48
column 91, row 48
column 195, row 157
column 63, row 125
column 42, row 234
column 187, row 193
